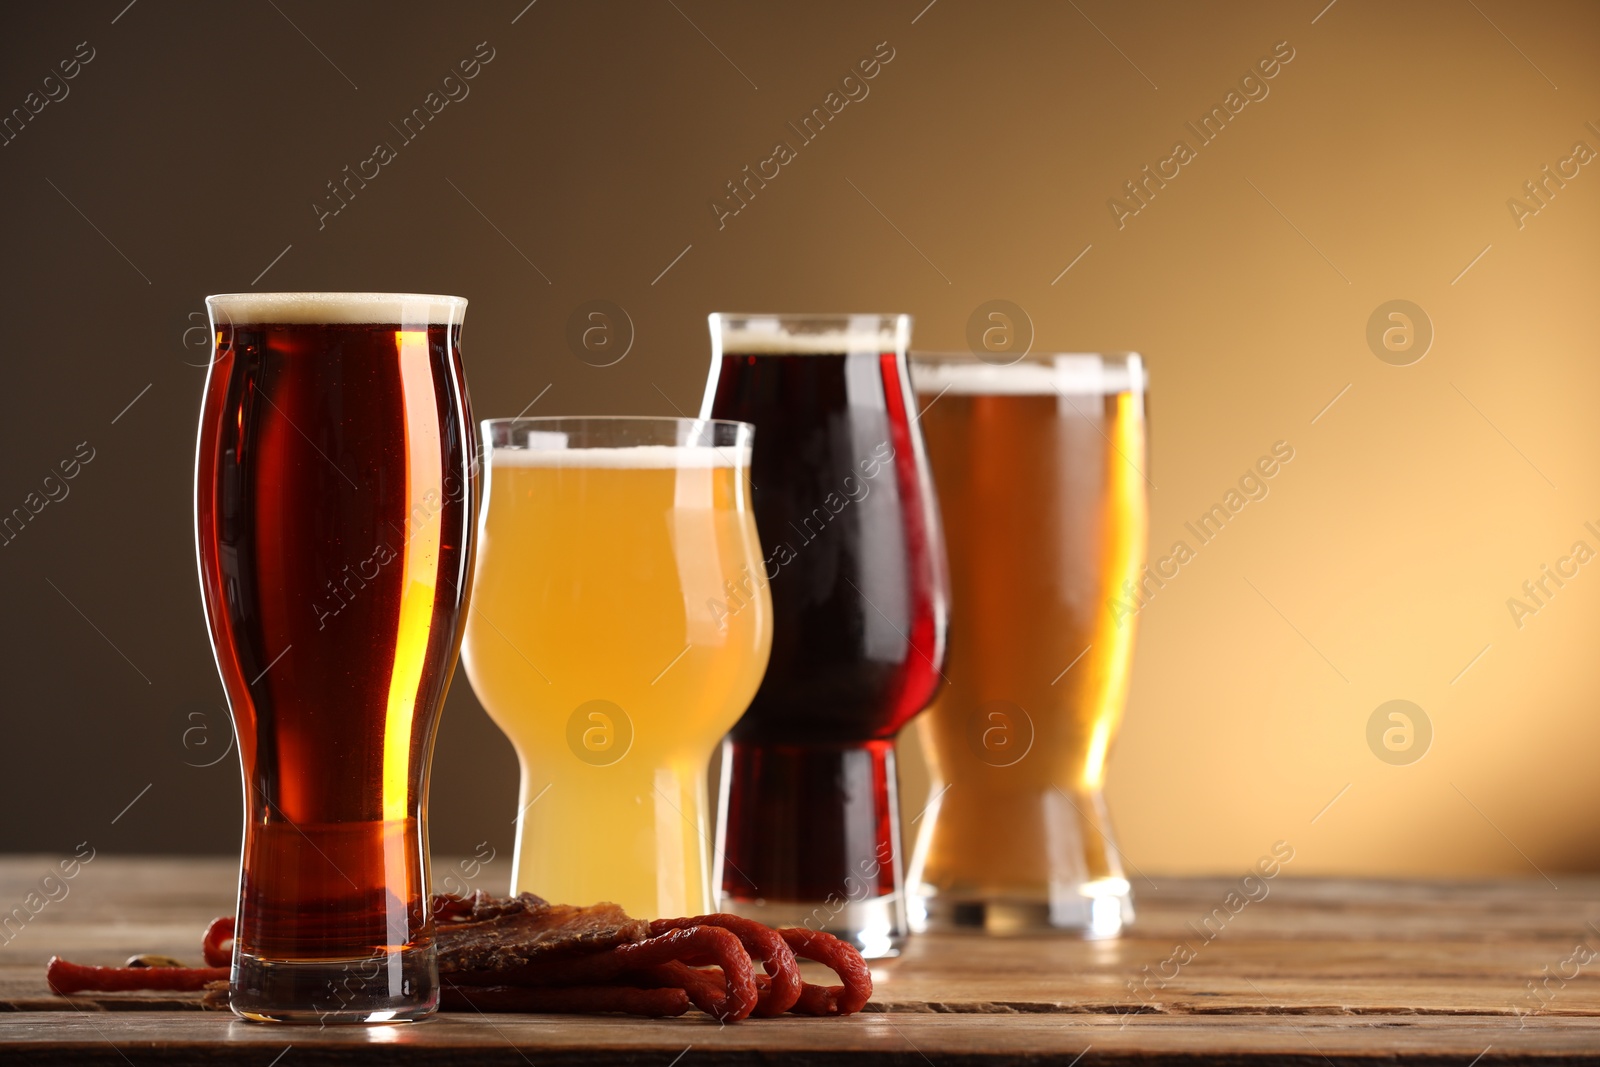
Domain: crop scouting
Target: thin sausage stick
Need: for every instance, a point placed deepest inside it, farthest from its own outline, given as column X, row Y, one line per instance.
column 782, row 988
column 216, row 947
column 845, row 961
column 65, row 978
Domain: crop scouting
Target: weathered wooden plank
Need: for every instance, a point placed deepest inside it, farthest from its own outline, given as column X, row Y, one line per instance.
column 190, row 1038
column 1430, row 970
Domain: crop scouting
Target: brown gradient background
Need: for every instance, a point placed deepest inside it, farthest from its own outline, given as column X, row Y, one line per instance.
column 1378, row 567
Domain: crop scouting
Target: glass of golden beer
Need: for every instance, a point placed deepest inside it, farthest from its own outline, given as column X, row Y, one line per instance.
column 620, row 625
column 1040, row 468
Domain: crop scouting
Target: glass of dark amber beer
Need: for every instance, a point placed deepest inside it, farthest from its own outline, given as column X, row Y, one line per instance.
column 1041, row 472
column 335, row 493
column 849, row 528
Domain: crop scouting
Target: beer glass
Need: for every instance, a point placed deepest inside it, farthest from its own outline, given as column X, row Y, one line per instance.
column 617, row 631
column 809, row 821
column 1041, row 471
column 334, row 499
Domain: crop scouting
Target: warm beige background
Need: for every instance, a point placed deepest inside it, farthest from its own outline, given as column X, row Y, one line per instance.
column 198, row 137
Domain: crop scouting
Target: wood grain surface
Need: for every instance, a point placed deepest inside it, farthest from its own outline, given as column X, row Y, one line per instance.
column 1315, row 972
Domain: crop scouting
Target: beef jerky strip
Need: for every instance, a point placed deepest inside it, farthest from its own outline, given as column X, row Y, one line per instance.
column 485, row 941
column 782, row 988
column 527, row 942
column 845, row 961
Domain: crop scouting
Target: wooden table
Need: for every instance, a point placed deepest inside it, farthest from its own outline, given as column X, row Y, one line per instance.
column 1317, row 972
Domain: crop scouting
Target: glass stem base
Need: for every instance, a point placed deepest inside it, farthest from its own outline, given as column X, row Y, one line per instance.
column 876, row 926
column 1090, row 917
column 811, row 837
column 1019, row 862
column 399, row 987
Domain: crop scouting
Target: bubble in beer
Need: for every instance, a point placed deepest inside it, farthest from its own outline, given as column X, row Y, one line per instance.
column 599, row 332
column 1000, row 733
column 1399, row 732
column 999, row 332
column 599, row 733
column 1399, row 332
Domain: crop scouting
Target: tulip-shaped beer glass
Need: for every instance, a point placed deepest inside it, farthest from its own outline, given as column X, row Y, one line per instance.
column 334, row 499
column 1041, row 472
column 606, row 645
column 855, row 563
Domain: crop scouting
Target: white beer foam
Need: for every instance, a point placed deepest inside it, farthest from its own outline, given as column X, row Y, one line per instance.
column 766, row 335
column 758, row 343
column 1068, row 374
column 553, row 453
column 402, row 309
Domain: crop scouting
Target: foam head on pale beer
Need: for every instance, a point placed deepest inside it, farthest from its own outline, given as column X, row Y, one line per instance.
column 620, row 624
column 552, row 452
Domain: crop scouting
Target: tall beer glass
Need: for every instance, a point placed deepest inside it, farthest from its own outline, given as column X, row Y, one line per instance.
column 1041, row 472
column 810, row 820
column 334, row 496
column 617, row 631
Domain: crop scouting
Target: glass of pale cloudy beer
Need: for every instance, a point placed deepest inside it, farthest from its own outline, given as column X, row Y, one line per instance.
column 1041, row 473
column 850, row 531
column 619, row 626
column 335, row 494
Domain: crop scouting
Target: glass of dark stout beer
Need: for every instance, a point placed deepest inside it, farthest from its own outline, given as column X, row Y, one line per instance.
column 1041, row 472
column 853, row 555
column 335, row 497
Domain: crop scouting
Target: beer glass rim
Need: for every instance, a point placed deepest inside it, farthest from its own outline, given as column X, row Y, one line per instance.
column 1044, row 373
column 620, row 432
column 809, row 316
column 338, row 308
column 636, row 419
column 958, row 356
column 810, row 333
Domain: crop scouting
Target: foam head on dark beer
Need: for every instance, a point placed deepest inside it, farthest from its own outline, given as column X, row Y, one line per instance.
column 762, row 336
column 401, row 309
